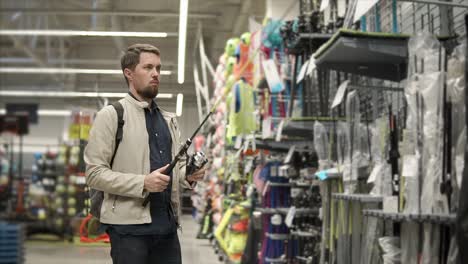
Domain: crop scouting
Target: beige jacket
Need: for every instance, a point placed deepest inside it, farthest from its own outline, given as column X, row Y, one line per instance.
column 123, row 183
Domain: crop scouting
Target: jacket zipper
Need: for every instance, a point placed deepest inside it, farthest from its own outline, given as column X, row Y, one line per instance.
column 175, row 218
column 173, row 123
column 113, row 204
column 170, row 203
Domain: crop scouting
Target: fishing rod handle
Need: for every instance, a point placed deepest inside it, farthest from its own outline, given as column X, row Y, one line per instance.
column 167, row 171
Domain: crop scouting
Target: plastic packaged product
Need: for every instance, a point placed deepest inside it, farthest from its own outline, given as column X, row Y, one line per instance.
column 456, row 74
column 409, row 242
column 353, row 119
column 342, row 144
column 391, row 250
column 321, row 143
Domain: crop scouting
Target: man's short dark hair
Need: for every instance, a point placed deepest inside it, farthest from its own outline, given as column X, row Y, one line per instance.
column 132, row 56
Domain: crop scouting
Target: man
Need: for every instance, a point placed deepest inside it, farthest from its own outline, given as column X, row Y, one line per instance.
column 150, row 140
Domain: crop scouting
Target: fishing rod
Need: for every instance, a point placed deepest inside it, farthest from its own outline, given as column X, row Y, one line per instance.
column 196, row 161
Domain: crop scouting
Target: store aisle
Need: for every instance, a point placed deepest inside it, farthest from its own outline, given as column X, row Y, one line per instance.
column 193, row 250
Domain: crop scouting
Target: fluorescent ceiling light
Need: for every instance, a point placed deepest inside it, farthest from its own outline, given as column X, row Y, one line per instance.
column 65, row 71
column 47, row 112
column 182, row 38
column 60, row 94
column 83, row 33
column 179, row 105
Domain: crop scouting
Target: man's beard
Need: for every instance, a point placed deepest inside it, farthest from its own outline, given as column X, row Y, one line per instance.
column 148, row 92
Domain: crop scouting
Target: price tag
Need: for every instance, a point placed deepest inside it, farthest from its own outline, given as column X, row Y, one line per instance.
column 265, row 188
column 375, row 171
column 346, row 172
column 273, row 171
column 290, row 216
column 283, row 171
column 324, row 4
column 246, row 145
column 279, row 131
column 410, row 166
column 312, row 65
column 390, row 204
column 80, row 180
column 459, row 166
column 254, row 144
column 238, row 143
column 208, row 140
column 217, row 162
column 302, row 72
column 266, row 127
column 248, row 166
column 238, row 153
column 290, row 154
column 362, row 7
column 250, row 190
column 341, row 7
column 340, row 94
column 272, row 76
column 295, row 192
column 276, row 219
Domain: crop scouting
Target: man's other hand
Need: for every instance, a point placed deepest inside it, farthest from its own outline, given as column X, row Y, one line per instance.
column 197, row 176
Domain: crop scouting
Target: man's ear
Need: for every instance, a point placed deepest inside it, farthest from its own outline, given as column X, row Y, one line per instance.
column 128, row 74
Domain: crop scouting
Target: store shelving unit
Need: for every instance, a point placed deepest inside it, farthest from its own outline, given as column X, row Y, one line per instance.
column 12, row 237
column 276, row 260
column 285, row 210
column 292, row 184
column 440, row 219
column 362, row 198
column 351, row 224
column 378, row 55
column 309, row 233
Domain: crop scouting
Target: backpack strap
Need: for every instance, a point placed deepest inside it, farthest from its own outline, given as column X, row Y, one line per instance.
column 120, row 123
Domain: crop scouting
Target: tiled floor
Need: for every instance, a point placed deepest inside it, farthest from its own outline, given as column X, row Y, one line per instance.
column 194, row 251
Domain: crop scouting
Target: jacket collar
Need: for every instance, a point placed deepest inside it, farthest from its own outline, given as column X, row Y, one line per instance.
column 166, row 114
column 142, row 105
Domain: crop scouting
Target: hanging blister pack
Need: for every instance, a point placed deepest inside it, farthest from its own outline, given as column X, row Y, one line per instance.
column 272, row 76
column 353, row 119
column 321, row 145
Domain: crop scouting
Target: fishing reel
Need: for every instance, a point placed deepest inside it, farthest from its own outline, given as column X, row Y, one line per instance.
column 195, row 162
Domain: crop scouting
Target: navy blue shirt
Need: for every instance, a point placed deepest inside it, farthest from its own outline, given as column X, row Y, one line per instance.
column 160, row 145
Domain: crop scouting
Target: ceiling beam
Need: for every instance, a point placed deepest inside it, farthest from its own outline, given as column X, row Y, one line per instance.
column 39, row 61
column 69, row 61
column 87, row 12
column 83, row 33
column 241, row 22
column 117, row 26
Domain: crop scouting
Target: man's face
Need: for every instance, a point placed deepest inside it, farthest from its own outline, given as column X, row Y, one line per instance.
column 145, row 77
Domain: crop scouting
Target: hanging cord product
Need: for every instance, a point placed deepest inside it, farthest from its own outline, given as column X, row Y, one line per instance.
column 394, row 155
column 462, row 214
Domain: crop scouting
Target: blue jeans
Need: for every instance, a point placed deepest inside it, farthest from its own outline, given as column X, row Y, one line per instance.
column 144, row 249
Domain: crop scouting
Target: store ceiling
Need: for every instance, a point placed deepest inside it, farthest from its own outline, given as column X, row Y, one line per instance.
column 220, row 20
